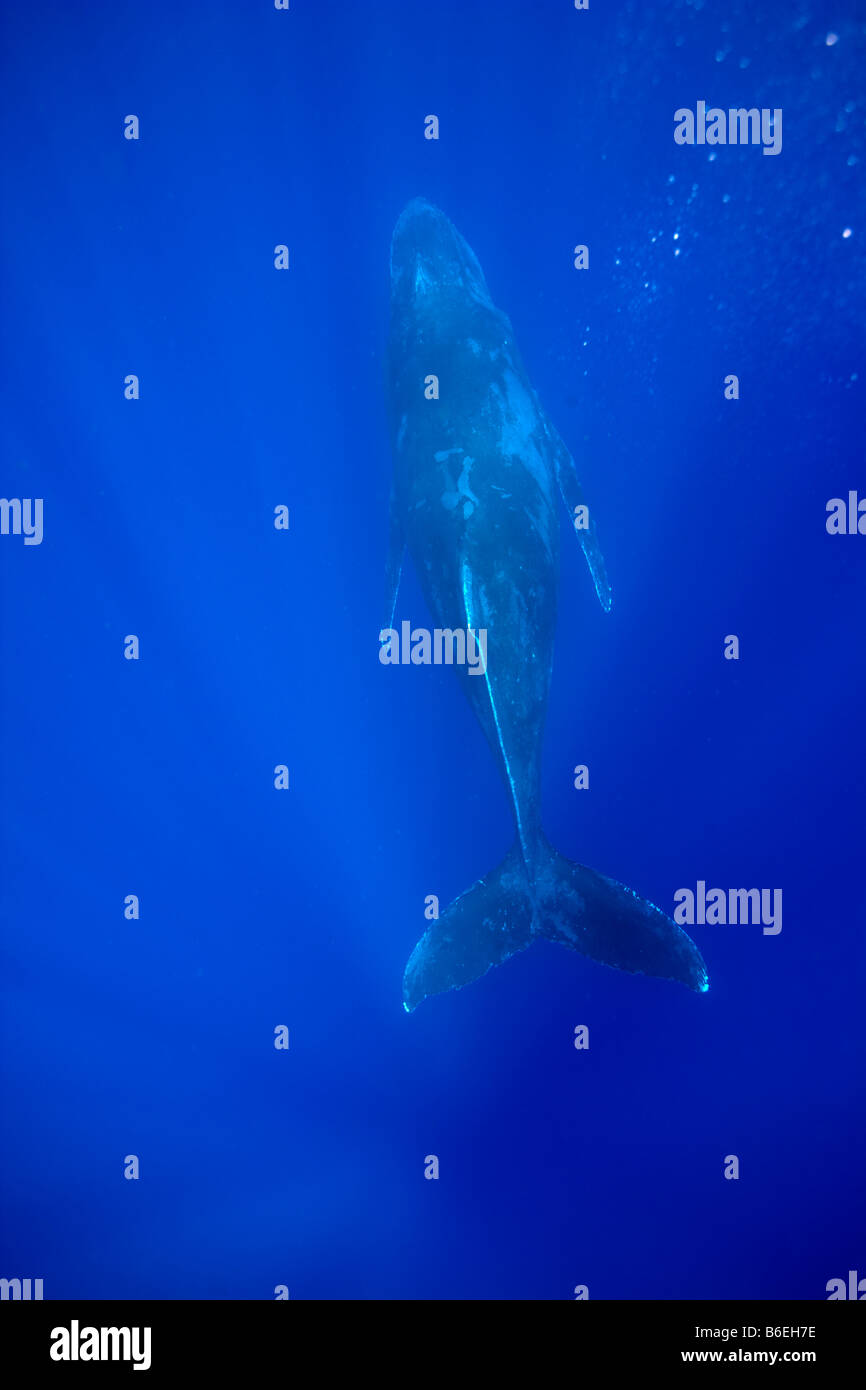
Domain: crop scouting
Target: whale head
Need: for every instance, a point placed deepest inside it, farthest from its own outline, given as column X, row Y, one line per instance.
column 432, row 267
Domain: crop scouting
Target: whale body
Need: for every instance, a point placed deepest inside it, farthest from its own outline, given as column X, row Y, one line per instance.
column 478, row 473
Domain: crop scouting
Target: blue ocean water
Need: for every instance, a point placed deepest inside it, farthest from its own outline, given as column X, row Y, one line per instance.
column 154, row 1037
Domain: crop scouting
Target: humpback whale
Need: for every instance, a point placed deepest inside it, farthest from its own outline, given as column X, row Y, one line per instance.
column 477, row 469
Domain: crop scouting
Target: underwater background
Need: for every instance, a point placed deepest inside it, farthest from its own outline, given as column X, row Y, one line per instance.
column 154, row 1036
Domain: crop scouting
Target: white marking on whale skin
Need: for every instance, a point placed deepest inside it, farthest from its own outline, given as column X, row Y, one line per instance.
column 515, row 413
column 401, row 433
column 451, row 499
column 422, row 280
column 463, row 480
column 517, row 423
column 444, row 454
column 449, row 275
column 471, row 343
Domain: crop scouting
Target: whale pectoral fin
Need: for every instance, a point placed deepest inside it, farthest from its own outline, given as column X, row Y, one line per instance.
column 581, row 518
column 394, row 562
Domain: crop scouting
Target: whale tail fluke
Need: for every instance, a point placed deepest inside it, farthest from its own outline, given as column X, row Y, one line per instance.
column 480, row 929
column 610, row 923
column 503, row 913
